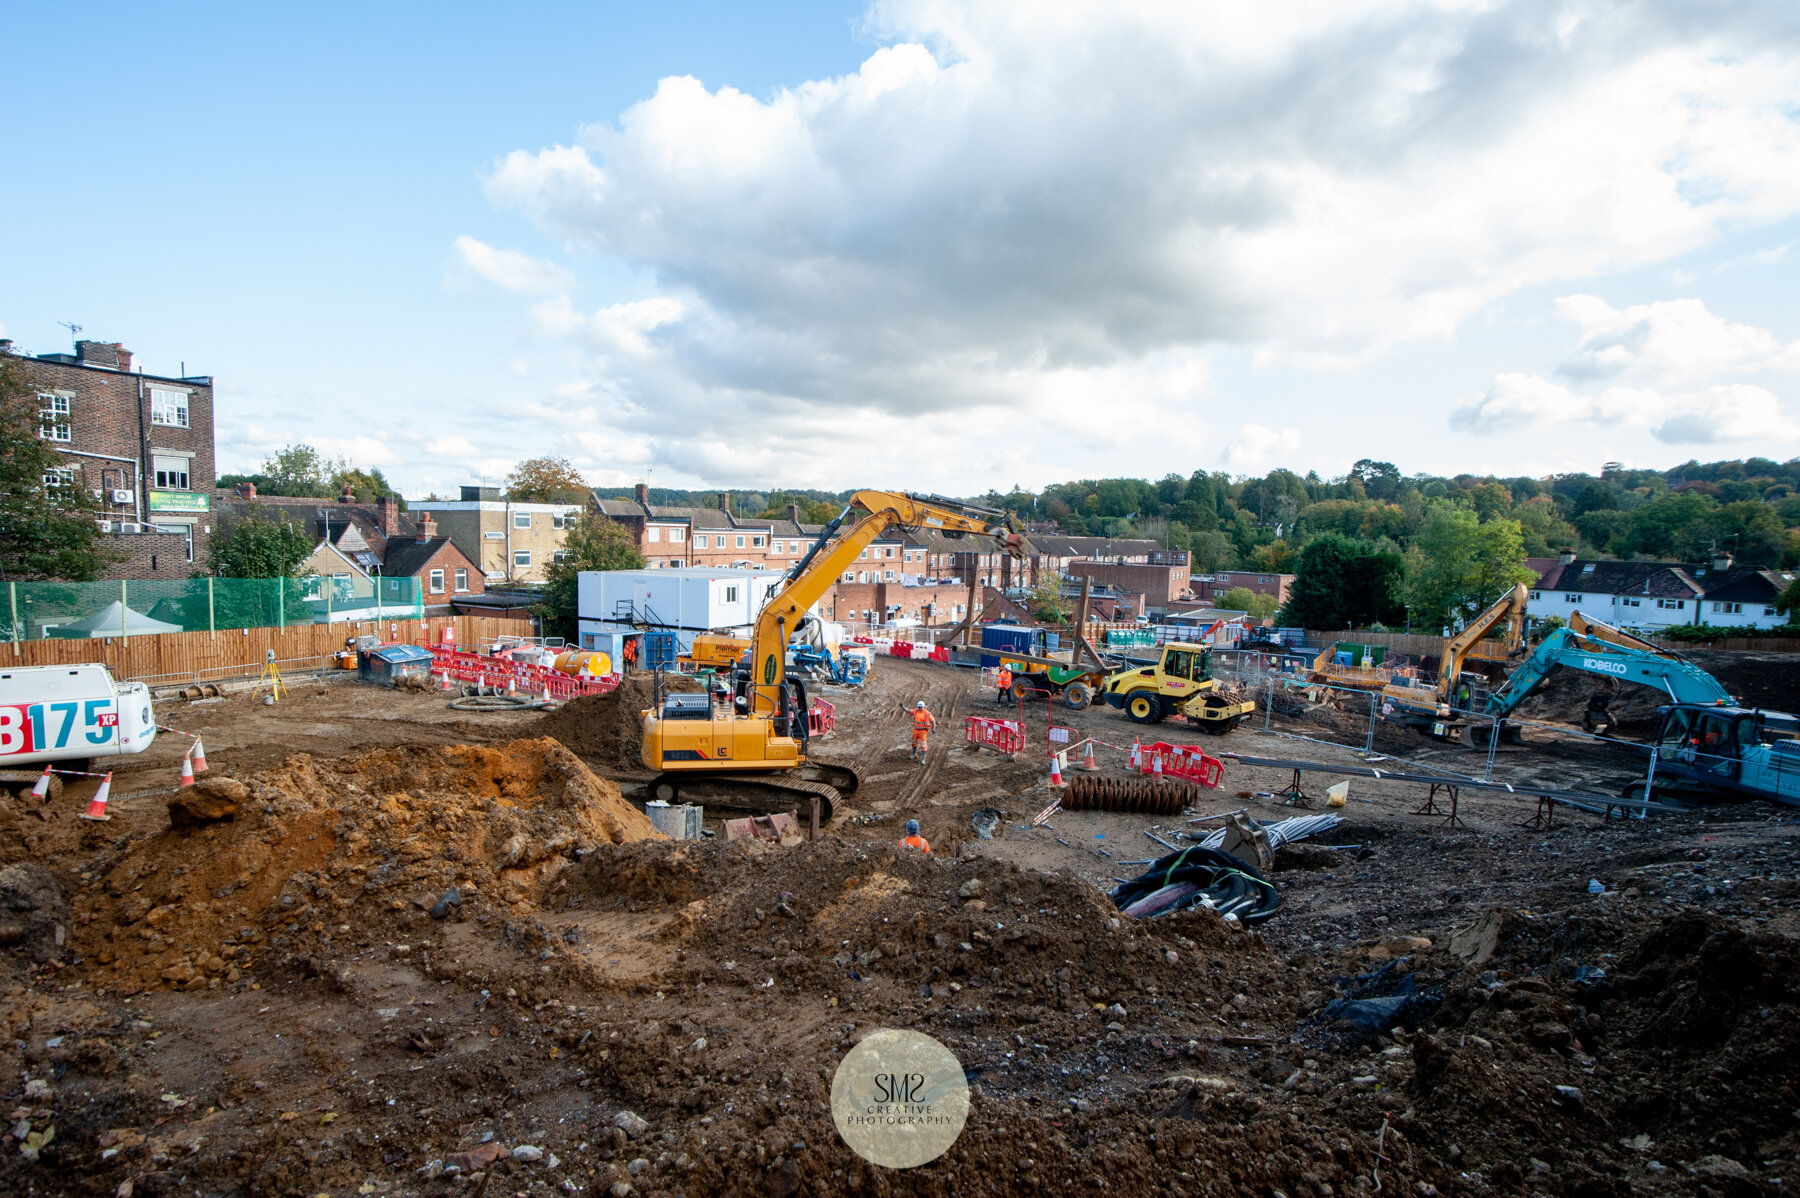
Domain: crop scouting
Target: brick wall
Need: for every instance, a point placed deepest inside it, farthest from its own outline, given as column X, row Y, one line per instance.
column 846, row 601
column 110, row 414
column 1160, row 584
column 1250, row 580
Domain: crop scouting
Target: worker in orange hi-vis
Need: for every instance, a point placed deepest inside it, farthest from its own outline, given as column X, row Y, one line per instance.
column 1004, row 683
column 912, row 839
column 923, row 723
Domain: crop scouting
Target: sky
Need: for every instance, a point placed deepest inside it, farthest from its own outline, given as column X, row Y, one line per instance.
column 925, row 244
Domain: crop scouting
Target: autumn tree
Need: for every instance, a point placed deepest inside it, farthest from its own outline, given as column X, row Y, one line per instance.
column 546, row 480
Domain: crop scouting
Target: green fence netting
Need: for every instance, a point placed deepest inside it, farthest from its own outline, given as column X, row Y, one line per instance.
column 42, row 610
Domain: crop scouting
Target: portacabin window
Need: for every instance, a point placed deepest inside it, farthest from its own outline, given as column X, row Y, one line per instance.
column 731, row 594
column 168, row 406
column 53, row 411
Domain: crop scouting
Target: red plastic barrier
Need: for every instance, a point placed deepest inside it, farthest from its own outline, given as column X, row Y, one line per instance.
column 901, row 649
column 1183, row 761
column 822, row 719
column 941, row 653
column 1003, row 736
column 498, row 671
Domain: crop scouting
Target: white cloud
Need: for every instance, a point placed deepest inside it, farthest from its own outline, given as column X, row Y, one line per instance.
column 1519, row 402
column 1047, row 196
column 512, row 271
column 1730, row 413
column 1258, row 446
column 451, row 447
column 1671, row 341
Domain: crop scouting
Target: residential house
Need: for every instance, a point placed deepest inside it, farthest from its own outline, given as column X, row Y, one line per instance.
column 507, row 541
column 382, row 543
column 1260, row 582
column 141, row 444
column 1652, row 595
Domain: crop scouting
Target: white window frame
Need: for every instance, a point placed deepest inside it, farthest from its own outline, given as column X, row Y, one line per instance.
column 54, row 409
column 1727, row 608
column 521, row 559
column 559, row 520
column 731, row 594
column 756, row 542
column 437, row 582
column 559, row 555
column 677, row 535
column 169, row 407
column 740, row 541
column 653, row 533
column 1571, row 598
column 1672, row 604
column 521, row 520
column 159, row 474
column 462, row 581
column 700, row 540
column 59, row 479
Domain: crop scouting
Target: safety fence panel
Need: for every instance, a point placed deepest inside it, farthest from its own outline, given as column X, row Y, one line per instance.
column 1003, row 736
column 821, row 719
column 1182, row 761
column 520, row 676
column 126, row 608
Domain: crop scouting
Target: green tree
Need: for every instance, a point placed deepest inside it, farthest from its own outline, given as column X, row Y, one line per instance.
column 1045, row 600
column 365, row 485
column 255, row 546
column 1257, row 604
column 296, row 470
column 546, row 480
column 1458, row 565
column 1788, row 602
column 594, row 543
column 47, row 525
column 1342, row 582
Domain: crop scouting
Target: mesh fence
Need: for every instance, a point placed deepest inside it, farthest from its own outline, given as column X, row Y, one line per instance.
column 44, row 610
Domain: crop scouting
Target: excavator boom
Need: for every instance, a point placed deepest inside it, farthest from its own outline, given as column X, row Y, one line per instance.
column 1511, row 608
column 1596, row 648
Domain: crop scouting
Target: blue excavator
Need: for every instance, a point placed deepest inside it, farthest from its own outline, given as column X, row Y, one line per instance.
column 1707, row 745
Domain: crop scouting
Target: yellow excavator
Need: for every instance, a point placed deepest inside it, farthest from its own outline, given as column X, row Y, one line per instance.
column 1433, row 709
column 744, row 744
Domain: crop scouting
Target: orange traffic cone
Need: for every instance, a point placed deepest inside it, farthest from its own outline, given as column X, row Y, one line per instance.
column 1137, row 755
column 1087, row 757
column 444, row 680
column 199, row 755
column 187, row 771
column 41, row 788
column 97, row 809
column 1056, row 778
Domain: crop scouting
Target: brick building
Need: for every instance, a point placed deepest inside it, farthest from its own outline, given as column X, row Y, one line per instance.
column 1161, row 584
column 141, row 444
column 508, row 541
column 1259, row 582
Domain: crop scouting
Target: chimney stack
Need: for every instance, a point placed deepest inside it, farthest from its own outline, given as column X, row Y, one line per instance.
column 1566, row 557
column 344, row 496
column 642, row 493
column 246, row 490
column 1722, row 560
column 427, row 528
column 108, row 354
column 794, row 514
column 387, row 514
column 725, row 501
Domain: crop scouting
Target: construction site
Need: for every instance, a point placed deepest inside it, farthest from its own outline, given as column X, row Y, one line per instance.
column 1192, row 922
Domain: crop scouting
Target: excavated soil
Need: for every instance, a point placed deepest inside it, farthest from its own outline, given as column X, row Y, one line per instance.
column 316, row 847
column 608, row 729
column 641, row 1016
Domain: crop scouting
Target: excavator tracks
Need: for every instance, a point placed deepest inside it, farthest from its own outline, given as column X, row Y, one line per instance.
column 764, row 793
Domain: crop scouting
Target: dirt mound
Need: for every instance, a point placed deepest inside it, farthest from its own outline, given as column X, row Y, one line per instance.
column 1756, row 679
column 609, row 728
column 1563, row 698
column 34, row 916
column 319, row 846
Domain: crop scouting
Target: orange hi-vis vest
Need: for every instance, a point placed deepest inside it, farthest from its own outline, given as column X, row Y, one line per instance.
column 922, row 722
column 915, row 842
column 1005, row 679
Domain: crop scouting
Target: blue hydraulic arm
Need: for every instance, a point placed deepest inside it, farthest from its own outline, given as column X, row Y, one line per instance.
column 1596, row 648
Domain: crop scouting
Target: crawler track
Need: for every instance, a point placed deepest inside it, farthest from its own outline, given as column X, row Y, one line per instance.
column 767, row 793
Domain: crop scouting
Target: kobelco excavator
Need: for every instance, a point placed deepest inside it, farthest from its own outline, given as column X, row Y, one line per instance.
column 744, row 744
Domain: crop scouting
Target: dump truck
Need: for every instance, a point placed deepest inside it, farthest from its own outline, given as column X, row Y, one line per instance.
column 68, row 716
column 1180, row 683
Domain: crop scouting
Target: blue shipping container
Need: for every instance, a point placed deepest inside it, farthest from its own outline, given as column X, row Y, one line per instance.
column 1005, row 636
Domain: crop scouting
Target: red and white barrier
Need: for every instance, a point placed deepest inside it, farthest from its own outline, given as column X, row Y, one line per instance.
column 1002, row 736
column 1188, row 762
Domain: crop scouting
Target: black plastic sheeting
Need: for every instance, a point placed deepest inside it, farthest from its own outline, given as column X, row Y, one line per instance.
column 1378, row 1001
column 1195, row 877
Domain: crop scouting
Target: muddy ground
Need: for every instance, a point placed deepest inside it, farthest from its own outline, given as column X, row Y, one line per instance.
column 385, row 938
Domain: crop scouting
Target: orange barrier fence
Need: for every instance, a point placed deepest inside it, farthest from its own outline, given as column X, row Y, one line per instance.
column 1003, row 736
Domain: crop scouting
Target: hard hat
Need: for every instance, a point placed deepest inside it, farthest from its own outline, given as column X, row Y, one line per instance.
column 920, row 704
column 912, row 827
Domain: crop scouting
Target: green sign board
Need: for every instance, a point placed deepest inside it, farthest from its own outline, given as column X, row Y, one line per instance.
column 179, row 501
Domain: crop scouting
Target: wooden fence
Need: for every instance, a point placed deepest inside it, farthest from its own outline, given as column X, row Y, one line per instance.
column 1415, row 645
column 208, row 656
